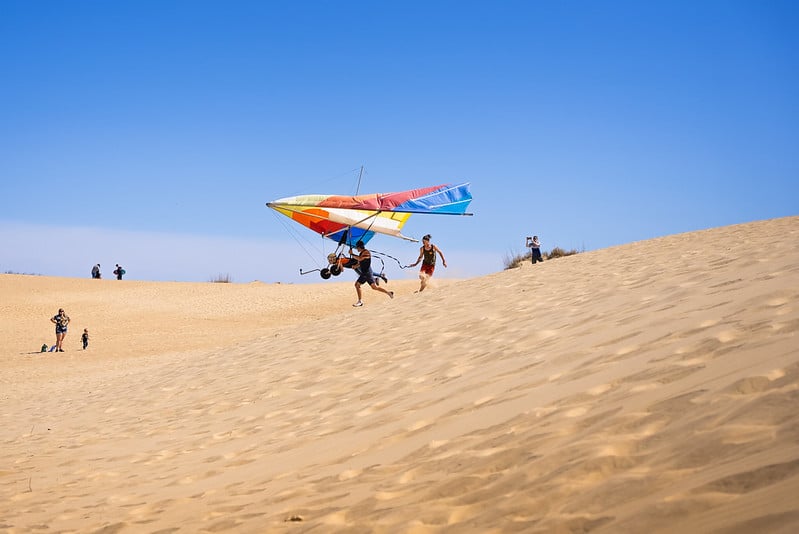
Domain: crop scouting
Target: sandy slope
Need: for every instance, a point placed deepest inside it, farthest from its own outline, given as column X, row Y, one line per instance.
column 648, row 387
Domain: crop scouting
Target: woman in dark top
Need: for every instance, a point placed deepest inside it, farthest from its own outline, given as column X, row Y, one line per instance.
column 61, row 322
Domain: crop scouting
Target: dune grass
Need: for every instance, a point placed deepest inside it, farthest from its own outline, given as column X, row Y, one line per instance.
column 513, row 260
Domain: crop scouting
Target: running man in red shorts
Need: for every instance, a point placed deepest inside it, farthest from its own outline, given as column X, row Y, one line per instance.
column 427, row 255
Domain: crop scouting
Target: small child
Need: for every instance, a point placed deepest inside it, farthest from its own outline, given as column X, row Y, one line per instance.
column 85, row 338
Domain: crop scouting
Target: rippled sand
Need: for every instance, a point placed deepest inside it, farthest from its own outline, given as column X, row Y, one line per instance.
column 643, row 388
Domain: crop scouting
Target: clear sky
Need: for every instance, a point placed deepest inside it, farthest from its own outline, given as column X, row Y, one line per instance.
column 152, row 133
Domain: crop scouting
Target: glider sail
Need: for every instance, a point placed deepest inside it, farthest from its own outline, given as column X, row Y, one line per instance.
column 347, row 219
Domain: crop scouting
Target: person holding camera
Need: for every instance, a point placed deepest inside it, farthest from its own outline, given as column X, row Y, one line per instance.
column 61, row 321
column 427, row 255
column 535, row 248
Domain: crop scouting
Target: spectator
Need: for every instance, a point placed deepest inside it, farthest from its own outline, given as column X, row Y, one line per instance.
column 61, row 322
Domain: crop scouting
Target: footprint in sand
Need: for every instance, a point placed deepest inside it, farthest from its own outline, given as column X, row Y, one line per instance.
column 419, row 425
column 726, row 336
column 546, row 334
column 388, row 495
column 644, row 387
column 776, row 374
column 756, row 384
column 741, row 434
column 777, row 302
column 749, row 481
column 408, row 476
column 349, row 474
column 599, row 390
column 577, row 412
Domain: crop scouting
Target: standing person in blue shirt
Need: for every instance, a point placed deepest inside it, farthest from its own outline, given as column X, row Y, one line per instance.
column 535, row 248
column 365, row 274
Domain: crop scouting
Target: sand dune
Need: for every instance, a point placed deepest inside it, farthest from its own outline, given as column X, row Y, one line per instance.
column 647, row 387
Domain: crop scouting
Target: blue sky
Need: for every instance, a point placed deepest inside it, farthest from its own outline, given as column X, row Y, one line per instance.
column 153, row 133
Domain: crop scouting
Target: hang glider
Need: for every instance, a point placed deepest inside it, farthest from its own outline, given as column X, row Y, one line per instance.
column 348, row 219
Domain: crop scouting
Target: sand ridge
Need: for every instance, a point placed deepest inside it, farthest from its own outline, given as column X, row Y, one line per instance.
column 651, row 386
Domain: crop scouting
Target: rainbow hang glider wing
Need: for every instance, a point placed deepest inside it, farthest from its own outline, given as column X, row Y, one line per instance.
column 347, row 219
